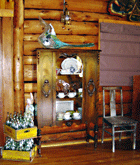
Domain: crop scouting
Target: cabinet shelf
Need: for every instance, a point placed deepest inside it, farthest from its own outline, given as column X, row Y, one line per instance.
column 69, row 122
column 69, row 74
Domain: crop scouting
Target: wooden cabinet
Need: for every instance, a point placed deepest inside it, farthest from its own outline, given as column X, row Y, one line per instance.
column 66, row 70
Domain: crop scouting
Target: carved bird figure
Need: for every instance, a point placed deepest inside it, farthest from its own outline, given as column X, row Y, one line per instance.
column 49, row 39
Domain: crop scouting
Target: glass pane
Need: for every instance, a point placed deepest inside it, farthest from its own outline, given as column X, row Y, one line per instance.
column 69, row 77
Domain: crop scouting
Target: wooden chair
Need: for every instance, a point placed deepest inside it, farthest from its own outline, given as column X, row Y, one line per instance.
column 113, row 121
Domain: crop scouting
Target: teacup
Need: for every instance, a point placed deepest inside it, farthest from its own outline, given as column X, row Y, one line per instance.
column 71, row 94
column 61, row 95
column 76, row 115
column 67, row 116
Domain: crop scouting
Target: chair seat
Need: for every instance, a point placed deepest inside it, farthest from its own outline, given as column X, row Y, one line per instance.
column 119, row 120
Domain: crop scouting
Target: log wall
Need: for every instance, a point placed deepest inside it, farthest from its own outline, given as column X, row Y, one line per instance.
column 83, row 29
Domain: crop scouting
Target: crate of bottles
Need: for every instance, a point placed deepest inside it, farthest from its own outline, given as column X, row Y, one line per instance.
column 16, row 155
column 20, row 134
column 20, row 126
column 23, row 150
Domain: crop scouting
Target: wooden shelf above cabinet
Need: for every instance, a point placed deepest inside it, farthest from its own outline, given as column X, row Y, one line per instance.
column 6, row 13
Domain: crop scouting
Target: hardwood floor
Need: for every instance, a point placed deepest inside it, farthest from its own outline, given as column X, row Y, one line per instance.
column 84, row 154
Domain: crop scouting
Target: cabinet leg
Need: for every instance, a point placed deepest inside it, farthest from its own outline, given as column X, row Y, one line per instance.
column 95, row 138
column 95, row 135
column 39, row 146
column 38, row 142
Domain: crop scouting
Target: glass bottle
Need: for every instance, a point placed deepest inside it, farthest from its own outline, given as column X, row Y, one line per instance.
column 13, row 146
column 7, row 146
column 20, row 116
column 23, row 124
column 13, row 124
column 7, row 119
column 31, row 123
column 15, row 114
column 10, row 119
column 16, row 125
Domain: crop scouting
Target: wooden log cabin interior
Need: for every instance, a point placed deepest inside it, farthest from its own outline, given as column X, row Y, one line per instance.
column 19, row 32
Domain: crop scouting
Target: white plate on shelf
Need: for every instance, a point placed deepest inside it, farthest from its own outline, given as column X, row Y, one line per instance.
column 69, row 63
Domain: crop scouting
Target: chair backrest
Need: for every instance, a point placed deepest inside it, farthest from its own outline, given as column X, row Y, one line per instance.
column 112, row 100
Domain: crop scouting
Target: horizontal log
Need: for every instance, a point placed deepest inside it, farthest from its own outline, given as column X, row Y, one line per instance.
column 66, row 38
column 99, row 6
column 78, row 28
column 30, row 87
column 30, row 73
column 30, row 47
column 6, row 12
column 75, row 15
column 30, row 60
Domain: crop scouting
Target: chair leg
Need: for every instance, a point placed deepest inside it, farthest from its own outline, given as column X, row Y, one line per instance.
column 113, row 139
column 134, row 138
column 103, row 129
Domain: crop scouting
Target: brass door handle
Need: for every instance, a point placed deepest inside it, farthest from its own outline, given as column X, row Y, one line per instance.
column 91, row 87
column 46, row 93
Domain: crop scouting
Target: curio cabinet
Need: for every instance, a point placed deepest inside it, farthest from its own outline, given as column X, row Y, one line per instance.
column 67, row 86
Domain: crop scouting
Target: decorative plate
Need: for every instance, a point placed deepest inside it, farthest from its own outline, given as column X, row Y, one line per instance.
column 71, row 64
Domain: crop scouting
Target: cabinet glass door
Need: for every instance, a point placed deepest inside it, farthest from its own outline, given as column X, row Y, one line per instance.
column 69, row 88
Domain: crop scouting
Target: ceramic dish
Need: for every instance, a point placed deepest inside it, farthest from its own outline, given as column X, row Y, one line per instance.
column 71, row 94
column 61, row 95
column 72, row 64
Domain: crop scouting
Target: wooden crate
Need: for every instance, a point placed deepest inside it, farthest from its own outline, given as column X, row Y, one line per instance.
column 21, row 134
column 19, row 155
